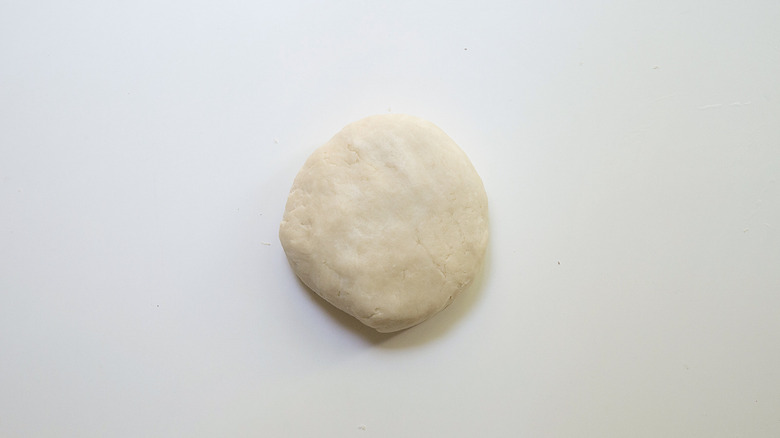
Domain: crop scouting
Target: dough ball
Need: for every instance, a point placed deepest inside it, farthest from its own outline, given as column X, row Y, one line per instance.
column 387, row 221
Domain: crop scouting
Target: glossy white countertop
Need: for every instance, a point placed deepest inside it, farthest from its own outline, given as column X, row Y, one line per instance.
column 631, row 156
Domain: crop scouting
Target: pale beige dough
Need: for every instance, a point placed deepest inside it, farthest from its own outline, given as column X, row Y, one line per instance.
column 387, row 221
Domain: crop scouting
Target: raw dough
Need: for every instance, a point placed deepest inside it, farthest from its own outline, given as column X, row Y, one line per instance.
column 387, row 221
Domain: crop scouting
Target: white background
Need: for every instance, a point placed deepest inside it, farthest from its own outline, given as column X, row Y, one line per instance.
column 630, row 152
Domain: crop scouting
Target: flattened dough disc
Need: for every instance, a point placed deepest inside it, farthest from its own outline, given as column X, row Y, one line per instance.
column 387, row 221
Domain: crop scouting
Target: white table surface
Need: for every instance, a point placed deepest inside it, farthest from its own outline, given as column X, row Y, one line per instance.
column 630, row 152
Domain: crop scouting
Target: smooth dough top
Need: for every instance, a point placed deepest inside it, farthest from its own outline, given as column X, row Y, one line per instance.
column 387, row 221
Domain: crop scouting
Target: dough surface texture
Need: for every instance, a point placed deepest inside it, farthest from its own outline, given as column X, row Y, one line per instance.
column 387, row 221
